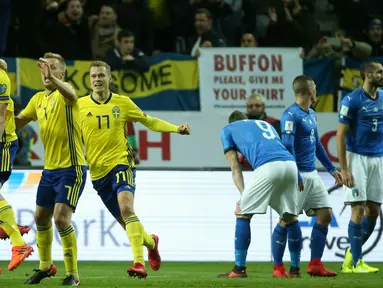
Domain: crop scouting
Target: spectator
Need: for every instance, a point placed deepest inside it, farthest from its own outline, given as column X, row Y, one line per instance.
column 70, row 36
column 134, row 15
column 375, row 37
column 207, row 37
column 220, row 13
column 104, row 32
column 256, row 110
column 291, row 25
column 126, row 56
column 248, row 40
column 5, row 13
column 338, row 47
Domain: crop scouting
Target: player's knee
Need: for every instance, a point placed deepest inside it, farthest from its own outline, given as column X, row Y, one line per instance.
column 324, row 216
column 372, row 210
column 43, row 216
column 282, row 223
column 288, row 218
column 63, row 216
column 126, row 209
column 357, row 212
column 62, row 221
column 41, row 219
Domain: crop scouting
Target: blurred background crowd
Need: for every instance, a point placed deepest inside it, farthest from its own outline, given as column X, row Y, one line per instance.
column 96, row 29
column 124, row 33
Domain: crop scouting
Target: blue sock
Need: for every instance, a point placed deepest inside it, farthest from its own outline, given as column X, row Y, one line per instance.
column 242, row 241
column 318, row 241
column 294, row 235
column 355, row 237
column 278, row 243
column 367, row 228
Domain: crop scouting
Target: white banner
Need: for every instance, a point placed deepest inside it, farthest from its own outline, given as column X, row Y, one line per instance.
column 202, row 148
column 192, row 212
column 229, row 75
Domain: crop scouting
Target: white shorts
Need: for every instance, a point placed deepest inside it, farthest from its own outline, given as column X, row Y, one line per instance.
column 314, row 195
column 368, row 179
column 273, row 184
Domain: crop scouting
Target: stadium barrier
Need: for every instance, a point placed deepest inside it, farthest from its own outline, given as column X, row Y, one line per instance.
column 192, row 211
column 201, row 149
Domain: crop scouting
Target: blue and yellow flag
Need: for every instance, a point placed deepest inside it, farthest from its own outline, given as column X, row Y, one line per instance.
column 171, row 84
column 351, row 75
column 322, row 72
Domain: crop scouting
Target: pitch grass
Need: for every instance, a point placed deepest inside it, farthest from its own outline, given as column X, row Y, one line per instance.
column 188, row 274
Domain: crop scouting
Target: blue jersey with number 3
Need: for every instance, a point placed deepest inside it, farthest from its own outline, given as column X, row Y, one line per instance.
column 256, row 140
column 364, row 115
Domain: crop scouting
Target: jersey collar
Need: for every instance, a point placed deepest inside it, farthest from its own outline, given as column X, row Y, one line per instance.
column 99, row 103
column 50, row 93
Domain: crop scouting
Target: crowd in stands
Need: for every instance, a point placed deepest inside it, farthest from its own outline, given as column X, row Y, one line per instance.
column 106, row 29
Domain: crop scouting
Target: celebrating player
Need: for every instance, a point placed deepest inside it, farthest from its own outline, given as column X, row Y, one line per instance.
column 9, row 144
column 273, row 183
column 360, row 133
column 103, row 119
column 300, row 137
column 64, row 174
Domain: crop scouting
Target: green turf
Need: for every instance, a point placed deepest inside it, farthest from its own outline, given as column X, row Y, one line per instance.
column 186, row 274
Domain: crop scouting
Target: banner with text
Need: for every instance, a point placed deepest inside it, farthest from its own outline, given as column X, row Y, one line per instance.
column 171, row 84
column 230, row 75
column 201, row 149
column 198, row 205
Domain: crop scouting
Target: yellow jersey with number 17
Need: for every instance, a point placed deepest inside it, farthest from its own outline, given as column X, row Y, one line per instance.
column 60, row 130
column 5, row 98
column 103, row 130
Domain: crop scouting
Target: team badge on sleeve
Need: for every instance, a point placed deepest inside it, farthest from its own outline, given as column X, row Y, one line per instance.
column 3, row 88
column 289, row 126
column 343, row 110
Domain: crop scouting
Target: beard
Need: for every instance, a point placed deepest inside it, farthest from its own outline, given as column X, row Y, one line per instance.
column 377, row 83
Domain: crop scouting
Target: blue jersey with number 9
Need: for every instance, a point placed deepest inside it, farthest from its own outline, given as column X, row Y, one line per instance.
column 364, row 115
column 256, row 140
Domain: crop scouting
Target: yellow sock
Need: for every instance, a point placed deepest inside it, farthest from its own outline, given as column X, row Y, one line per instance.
column 44, row 239
column 148, row 240
column 69, row 243
column 134, row 230
column 8, row 223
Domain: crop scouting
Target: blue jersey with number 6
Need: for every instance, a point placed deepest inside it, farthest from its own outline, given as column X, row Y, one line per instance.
column 257, row 140
column 364, row 115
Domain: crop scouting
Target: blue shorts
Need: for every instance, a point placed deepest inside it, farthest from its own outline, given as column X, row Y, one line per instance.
column 121, row 178
column 7, row 155
column 61, row 186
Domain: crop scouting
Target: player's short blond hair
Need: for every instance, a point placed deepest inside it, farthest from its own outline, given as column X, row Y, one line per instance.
column 101, row 64
column 50, row 55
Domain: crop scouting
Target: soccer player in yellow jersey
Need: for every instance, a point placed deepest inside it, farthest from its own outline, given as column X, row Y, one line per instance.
column 103, row 119
column 63, row 179
column 8, row 148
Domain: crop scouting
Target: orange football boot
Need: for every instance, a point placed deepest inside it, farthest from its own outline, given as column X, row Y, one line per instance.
column 154, row 255
column 138, row 270
column 19, row 254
